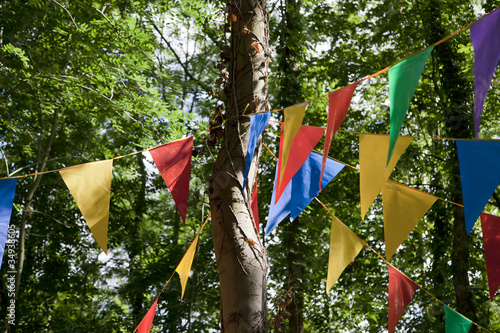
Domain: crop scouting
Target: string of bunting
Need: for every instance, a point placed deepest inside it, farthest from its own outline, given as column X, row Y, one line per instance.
column 183, row 269
column 345, row 241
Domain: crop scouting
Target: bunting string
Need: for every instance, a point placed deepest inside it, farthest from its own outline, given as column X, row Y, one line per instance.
column 353, row 167
column 308, row 101
column 184, row 270
column 175, row 270
column 382, row 258
column 387, row 68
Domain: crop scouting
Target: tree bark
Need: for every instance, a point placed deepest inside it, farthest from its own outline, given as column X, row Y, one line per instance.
column 457, row 95
column 42, row 160
column 241, row 257
column 289, row 93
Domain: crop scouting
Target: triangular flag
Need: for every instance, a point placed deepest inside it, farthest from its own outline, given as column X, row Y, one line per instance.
column 303, row 143
column 258, row 123
column 403, row 208
column 173, row 160
column 147, row 321
column 184, row 266
column 90, row 186
column 255, row 207
column 7, row 191
column 491, row 239
column 486, row 41
column 303, row 187
column 293, row 121
column 480, row 174
column 401, row 291
column 373, row 173
column 338, row 105
column 455, row 322
column 403, row 80
column 344, row 247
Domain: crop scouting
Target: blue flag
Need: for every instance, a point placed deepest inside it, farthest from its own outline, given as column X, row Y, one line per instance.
column 480, row 173
column 303, row 186
column 7, row 190
column 257, row 124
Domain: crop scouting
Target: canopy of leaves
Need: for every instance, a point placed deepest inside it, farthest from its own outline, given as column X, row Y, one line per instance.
column 91, row 80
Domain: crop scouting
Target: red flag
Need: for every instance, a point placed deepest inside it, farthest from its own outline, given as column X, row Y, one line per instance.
column 338, row 105
column 147, row 321
column 491, row 239
column 255, row 207
column 401, row 291
column 301, row 147
column 174, row 162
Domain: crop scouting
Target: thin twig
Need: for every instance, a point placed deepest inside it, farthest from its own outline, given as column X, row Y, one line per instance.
column 67, row 11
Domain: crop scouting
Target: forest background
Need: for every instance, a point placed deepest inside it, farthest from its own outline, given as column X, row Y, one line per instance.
column 91, row 80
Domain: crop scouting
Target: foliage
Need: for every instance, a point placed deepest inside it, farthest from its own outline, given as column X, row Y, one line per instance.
column 113, row 84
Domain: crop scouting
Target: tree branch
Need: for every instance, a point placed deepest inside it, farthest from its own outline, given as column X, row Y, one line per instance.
column 186, row 71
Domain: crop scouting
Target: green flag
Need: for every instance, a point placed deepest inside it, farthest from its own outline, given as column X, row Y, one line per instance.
column 403, row 80
column 455, row 322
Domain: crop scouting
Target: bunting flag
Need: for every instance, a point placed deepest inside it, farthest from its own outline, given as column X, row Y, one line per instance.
column 486, row 42
column 455, row 322
column 401, row 291
column 303, row 187
column 480, row 174
column 258, row 123
column 147, row 321
column 90, row 186
column 373, row 173
column 7, row 191
column 338, row 105
column 173, row 160
column 306, row 138
column 491, row 240
column 344, row 247
column 184, row 266
column 403, row 80
column 255, row 207
column 403, row 208
column 294, row 116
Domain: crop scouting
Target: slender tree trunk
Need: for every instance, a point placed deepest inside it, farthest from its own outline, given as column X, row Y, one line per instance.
column 27, row 207
column 458, row 97
column 295, row 261
column 241, row 257
column 135, row 276
column 289, row 93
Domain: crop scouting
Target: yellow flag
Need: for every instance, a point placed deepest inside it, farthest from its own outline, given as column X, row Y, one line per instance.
column 403, row 208
column 373, row 150
column 344, row 247
column 293, row 120
column 90, row 186
column 184, row 266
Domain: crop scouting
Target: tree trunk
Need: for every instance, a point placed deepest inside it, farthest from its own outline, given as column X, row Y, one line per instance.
column 289, row 93
column 457, row 96
column 241, row 257
column 42, row 160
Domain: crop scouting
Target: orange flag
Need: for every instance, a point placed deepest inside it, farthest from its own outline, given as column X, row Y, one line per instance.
column 401, row 291
column 338, row 105
column 184, row 266
column 344, row 247
column 173, row 160
column 147, row 321
column 301, row 146
column 90, row 186
column 373, row 150
column 403, row 208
